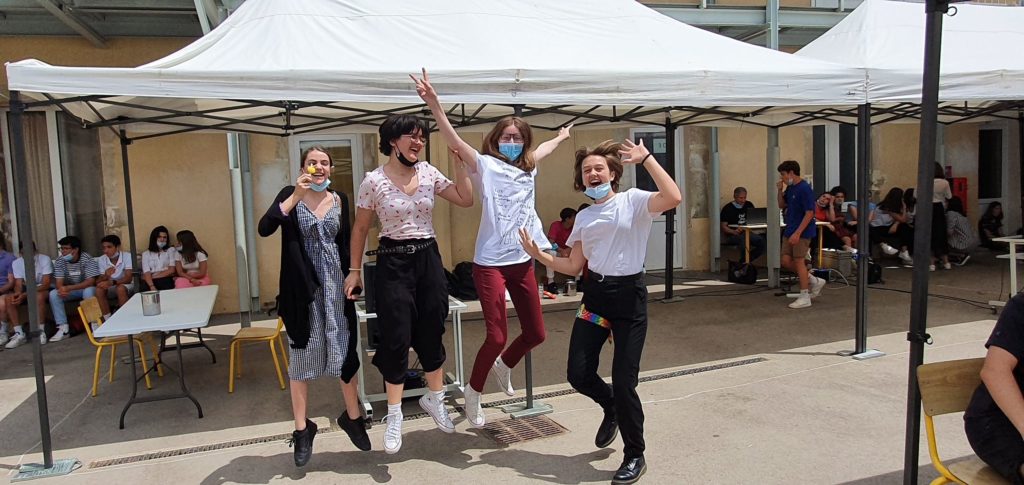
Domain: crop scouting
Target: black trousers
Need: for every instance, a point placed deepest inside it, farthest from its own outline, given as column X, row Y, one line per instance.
column 940, row 239
column 623, row 301
column 997, row 442
column 351, row 364
column 412, row 305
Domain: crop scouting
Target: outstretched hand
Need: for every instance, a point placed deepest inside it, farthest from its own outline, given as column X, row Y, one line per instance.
column 563, row 132
column 424, row 89
column 529, row 245
column 633, row 153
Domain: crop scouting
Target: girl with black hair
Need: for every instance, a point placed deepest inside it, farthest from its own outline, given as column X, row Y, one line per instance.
column 505, row 171
column 890, row 224
column 990, row 226
column 410, row 277
column 158, row 267
column 190, row 262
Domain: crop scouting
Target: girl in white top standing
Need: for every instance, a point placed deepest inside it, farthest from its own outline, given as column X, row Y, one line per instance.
column 190, row 262
column 410, row 283
column 611, row 238
column 504, row 175
column 158, row 268
column 115, row 274
column 940, row 243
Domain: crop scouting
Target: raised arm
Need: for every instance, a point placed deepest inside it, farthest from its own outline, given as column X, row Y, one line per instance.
column 461, row 192
column 545, row 149
column 668, row 195
column 429, row 96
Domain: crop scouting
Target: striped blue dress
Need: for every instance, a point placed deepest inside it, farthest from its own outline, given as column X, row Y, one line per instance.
column 328, row 328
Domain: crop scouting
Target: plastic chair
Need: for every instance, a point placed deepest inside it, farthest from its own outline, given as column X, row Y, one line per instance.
column 256, row 334
column 946, row 387
column 89, row 311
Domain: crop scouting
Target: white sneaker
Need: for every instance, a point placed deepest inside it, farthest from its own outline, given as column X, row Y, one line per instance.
column 393, row 433
column 16, row 341
column 947, row 266
column 905, row 257
column 816, row 285
column 42, row 338
column 4, row 338
column 931, row 267
column 503, row 377
column 57, row 337
column 474, row 412
column 803, row 301
column 437, row 410
column 887, row 249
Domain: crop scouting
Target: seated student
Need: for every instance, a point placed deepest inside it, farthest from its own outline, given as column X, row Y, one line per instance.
column 994, row 419
column 835, row 234
column 190, row 262
column 845, row 220
column 11, row 301
column 962, row 238
column 990, row 226
column 910, row 201
column 558, row 233
column 735, row 214
column 158, row 267
column 6, row 259
column 890, row 224
column 75, row 273
column 115, row 277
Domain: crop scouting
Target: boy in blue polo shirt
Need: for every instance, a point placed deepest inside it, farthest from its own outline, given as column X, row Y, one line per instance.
column 798, row 201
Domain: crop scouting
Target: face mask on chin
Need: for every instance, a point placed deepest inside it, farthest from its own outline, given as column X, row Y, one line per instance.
column 68, row 257
column 598, row 192
column 737, row 205
column 320, row 187
column 161, row 244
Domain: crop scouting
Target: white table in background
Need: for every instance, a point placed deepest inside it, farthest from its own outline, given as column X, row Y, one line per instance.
column 1014, row 257
column 180, row 309
column 455, row 382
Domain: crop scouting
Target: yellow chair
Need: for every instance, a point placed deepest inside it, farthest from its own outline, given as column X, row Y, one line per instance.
column 256, row 334
column 90, row 312
column 946, row 387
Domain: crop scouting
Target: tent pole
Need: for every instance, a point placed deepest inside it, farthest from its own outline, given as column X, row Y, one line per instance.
column 132, row 244
column 1020, row 153
column 774, row 227
column 31, row 285
column 670, row 216
column 934, row 9
column 240, row 229
column 245, row 166
column 860, row 350
column 714, row 194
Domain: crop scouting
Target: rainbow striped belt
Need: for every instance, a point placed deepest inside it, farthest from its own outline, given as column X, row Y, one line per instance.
column 587, row 315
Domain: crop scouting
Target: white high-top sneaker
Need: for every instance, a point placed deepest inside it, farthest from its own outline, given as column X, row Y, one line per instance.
column 393, row 433
column 474, row 412
column 503, row 377
column 436, row 409
column 803, row 301
column 16, row 341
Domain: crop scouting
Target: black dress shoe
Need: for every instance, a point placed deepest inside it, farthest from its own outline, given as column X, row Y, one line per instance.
column 608, row 430
column 303, row 443
column 630, row 471
column 356, row 430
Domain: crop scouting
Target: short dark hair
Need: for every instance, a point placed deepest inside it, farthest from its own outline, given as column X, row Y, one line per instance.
column 956, row 205
column 789, row 166
column 112, row 239
column 154, row 234
column 72, row 241
column 581, row 207
column 397, row 125
column 839, row 189
column 566, row 213
column 739, row 190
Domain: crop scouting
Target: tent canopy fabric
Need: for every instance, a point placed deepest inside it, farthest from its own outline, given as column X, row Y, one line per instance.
column 886, row 39
column 323, row 54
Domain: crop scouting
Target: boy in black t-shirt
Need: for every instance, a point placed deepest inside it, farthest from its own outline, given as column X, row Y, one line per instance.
column 735, row 214
column 994, row 420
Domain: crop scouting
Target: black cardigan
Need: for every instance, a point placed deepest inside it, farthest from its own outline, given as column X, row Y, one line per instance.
column 298, row 281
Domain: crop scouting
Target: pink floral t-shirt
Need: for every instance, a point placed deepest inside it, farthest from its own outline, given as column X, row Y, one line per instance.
column 403, row 216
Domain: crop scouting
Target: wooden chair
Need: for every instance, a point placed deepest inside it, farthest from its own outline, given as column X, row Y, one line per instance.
column 89, row 310
column 947, row 387
column 256, row 334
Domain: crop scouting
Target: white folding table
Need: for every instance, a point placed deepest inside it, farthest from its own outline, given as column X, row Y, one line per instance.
column 1014, row 257
column 180, row 309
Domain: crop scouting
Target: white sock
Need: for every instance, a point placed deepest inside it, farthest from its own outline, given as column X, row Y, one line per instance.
column 438, row 395
column 64, row 328
column 395, row 409
column 3, row 327
column 19, row 330
column 106, row 316
column 804, row 293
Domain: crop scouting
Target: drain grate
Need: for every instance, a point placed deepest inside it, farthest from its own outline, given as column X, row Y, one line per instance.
column 508, row 431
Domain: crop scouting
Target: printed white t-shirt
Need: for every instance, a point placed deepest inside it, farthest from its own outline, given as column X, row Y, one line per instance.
column 615, row 233
column 193, row 266
column 507, row 195
column 403, row 216
column 124, row 262
column 44, row 266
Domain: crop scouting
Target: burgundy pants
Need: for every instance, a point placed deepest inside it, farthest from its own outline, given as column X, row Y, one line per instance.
column 491, row 283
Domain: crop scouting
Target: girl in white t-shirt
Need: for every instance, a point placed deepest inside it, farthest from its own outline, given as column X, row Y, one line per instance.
column 158, row 261
column 18, row 297
column 504, row 173
column 190, row 262
column 115, row 274
column 611, row 238
column 409, row 283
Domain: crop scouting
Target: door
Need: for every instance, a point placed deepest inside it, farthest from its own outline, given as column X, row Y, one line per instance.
column 654, row 139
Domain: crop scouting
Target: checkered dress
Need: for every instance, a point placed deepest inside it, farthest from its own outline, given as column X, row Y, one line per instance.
column 328, row 328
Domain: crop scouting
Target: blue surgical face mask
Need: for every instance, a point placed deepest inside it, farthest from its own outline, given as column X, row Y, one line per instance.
column 320, row 187
column 68, row 257
column 599, row 192
column 511, row 150
column 737, row 205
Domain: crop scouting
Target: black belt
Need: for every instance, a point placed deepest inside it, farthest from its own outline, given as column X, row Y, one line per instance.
column 401, row 248
column 600, row 278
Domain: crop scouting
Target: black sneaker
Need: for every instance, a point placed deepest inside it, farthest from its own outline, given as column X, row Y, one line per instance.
column 356, row 430
column 303, row 443
column 630, row 471
column 608, row 430
column 551, row 288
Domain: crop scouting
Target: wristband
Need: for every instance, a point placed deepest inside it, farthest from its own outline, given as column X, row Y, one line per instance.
column 355, row 269
column 642, row 160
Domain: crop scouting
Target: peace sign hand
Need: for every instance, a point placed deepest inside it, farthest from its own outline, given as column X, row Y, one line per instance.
column 633, row 153
column 424, row 89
